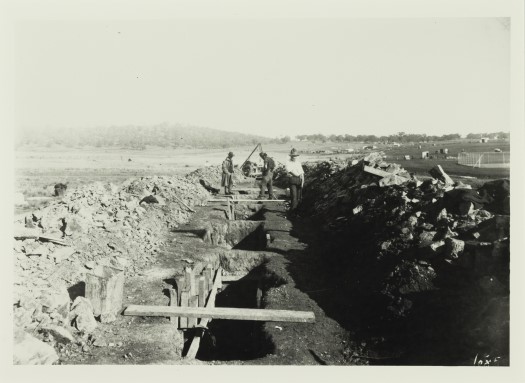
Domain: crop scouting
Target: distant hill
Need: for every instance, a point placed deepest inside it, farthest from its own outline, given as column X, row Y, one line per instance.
column 136, row 137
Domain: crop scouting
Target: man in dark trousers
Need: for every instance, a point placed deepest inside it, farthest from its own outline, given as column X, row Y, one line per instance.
column 267, row 175
column 227, row 174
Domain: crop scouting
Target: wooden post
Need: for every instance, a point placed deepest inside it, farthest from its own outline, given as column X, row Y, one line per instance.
column 228, row 211
column 233, row 211
column 105, row 290
column 174, row 301
column 193, row 302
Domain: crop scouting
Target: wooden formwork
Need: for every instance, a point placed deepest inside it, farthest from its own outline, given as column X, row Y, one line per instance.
column 192, row 305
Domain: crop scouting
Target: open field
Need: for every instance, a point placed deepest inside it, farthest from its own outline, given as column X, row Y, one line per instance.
column 39, row 169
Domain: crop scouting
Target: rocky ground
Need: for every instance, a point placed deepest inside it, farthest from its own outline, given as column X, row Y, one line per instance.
column 389, row 264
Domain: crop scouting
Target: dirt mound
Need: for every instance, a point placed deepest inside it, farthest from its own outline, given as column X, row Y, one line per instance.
column 412, row 248
column 212, row 175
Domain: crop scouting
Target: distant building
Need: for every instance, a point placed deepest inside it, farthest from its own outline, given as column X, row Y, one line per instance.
column 484, row 140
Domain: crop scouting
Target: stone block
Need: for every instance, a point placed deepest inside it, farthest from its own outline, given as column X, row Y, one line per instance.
column 105, row 289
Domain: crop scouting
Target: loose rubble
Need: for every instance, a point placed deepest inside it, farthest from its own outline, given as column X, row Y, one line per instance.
column 95, row 225
column 411, row 243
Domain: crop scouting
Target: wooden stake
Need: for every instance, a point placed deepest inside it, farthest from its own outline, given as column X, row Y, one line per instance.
column 184, row 302
column 218, row 279
column 190, row 281
column 181, row 285
column 208, row 275
column 249, row 200
column 202, row 291
column 194, row 346
column 193, row 302
column 186, row 206
column 174, row 301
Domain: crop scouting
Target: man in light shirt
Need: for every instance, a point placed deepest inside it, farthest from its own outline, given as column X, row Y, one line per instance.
column 296, row 177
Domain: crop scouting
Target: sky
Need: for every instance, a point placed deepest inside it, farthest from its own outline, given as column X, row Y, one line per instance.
column 269, row 77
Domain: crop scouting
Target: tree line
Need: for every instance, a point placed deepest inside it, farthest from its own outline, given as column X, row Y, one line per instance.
column 138, row 137
column 185, row 136
column 400, row 137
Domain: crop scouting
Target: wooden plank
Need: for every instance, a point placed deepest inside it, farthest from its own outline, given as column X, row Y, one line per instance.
column 222, row 313
column 174, row 301
column 202, row 291
column 28, row 233
column 182, row 202
column 208, row 275
column 206, row 286
column 235, row 278
column 250, row 200
column 193, row 302
column 217, row 282
column 379, row 172
column 195, row 342
column 184, row 302
column 210, row 302
column 181, row 285
column 190, row 280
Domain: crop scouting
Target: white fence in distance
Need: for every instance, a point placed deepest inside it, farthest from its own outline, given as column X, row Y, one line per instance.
column 484, row 159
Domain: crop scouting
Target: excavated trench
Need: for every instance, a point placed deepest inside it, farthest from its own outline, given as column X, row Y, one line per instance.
column 228, row 340
column 239, row 249
column 239, row 235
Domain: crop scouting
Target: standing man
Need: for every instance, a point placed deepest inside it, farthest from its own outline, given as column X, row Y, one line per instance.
column 227, row 174
column 296, row 179
column 267, row 175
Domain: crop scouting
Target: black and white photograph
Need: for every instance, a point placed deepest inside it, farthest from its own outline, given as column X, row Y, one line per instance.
column 221, row 184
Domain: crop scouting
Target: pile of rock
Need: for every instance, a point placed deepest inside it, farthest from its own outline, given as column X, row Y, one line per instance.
column 98, row 224
column 409, row 237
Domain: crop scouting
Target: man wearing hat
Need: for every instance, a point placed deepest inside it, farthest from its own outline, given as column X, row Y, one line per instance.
column 267, row 175
column 227, row 174
column 296, row 178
